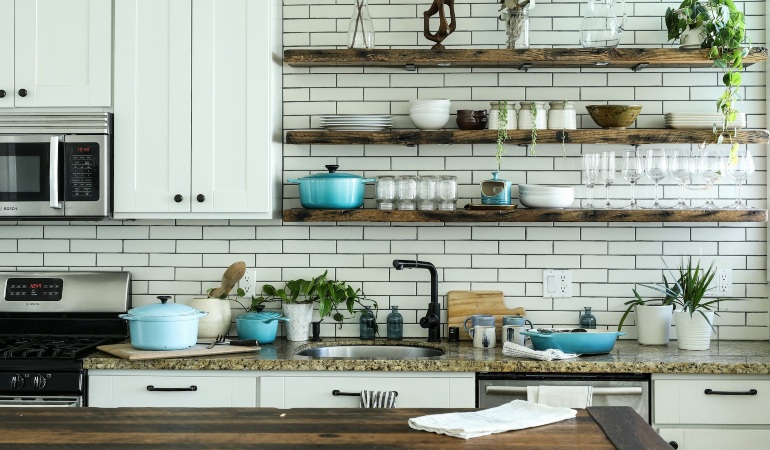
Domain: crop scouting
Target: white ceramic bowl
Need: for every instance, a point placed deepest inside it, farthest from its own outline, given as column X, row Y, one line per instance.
column 429, row 111
column 430, row 101
column 429, row 121
column 546, row 202
column 546, row 189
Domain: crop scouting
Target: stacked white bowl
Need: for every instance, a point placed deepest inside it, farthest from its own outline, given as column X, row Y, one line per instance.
column 541, row 196
column 430, row 114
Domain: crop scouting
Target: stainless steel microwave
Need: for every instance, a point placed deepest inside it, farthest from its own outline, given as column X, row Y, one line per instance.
column 55, row 166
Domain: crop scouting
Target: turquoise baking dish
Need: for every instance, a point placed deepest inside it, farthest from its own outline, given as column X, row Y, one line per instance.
column 590, row 342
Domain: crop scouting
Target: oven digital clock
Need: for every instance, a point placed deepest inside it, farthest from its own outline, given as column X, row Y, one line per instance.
column 34, row 289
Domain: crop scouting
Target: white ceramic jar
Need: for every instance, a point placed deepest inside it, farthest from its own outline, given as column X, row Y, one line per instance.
column 218, row 321
column 493, row 120
column 562, row 115
column 525, row 116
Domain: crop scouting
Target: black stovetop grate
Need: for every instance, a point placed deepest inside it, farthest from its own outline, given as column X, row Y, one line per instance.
column 65, row 347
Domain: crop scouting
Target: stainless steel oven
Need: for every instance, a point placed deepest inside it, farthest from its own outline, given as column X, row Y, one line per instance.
column 55, row 166
column 494, row 389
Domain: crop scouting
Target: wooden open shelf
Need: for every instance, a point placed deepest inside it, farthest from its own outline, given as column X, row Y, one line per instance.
column 628, row 136
column 527, row 215
column 632, row 58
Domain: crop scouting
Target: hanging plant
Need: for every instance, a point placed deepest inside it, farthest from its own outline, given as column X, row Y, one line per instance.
column 533, row 110
column 502, row 131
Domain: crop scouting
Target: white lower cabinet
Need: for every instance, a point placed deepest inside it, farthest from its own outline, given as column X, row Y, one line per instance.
column 703, row 412
column 171, row 388
column 415, row 389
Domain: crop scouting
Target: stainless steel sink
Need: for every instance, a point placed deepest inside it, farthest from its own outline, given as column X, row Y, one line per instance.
column 371, row 352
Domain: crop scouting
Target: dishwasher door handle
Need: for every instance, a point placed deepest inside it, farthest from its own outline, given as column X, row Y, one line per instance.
column 508, row 390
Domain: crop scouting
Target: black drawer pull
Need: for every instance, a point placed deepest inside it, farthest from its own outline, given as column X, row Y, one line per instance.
column 337, row 393
column 152, row 388
column 749, row 392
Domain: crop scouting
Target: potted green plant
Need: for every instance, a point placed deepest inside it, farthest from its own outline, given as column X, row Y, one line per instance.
column 723, row 33
column 298, row 297
column 653, row 316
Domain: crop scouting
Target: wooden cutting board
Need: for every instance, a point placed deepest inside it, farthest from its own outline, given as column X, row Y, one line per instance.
column 463, row 304
column 126, row 351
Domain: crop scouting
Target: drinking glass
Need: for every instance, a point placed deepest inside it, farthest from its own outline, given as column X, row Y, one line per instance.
column 447, row 192
column 711, row 167
column 385, row 192
column 607, row 174
column 682, row 167
column 590, row 176
column 656, row 166
column 739, row 168
column 632, row 171
column 406, row 192
column 426, row 192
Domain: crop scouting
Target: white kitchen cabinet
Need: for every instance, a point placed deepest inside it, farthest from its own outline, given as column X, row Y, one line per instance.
column 171, row 388
column 197, row 108
column 726, row 417
column 55, row 53
column 415, row 389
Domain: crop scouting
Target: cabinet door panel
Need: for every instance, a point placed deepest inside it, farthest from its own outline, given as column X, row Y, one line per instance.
column 231, row 136
column 6, row 52
column 152, row 105
column 412, row 392
column 685, row 402
column 715, row 438
column 63, row 52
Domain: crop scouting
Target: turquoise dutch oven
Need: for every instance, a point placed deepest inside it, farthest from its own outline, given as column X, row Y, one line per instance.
column 331, row 190
column 590, row 342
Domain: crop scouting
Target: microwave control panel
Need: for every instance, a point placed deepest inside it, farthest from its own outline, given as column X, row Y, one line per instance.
column 82, row 171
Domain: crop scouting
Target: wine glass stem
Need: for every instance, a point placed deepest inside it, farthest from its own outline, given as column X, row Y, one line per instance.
column 607, row 193
column 656, row 192
column 591, row 195
column 681, row 192
column 738, row 192
column 633, row 198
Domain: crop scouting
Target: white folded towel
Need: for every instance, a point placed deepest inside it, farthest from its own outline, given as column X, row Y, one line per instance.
column 378, row 399
column 520, row 351
column 515, row 415
column 561, row 396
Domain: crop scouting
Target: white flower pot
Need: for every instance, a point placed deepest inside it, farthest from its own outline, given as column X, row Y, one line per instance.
column 219, row 317
column 693, row 332
column 653, row 324
column 299, row 315
column 692, row 38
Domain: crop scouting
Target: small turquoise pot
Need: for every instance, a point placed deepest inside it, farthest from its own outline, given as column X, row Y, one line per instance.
column 331, row 190
column 496, row 191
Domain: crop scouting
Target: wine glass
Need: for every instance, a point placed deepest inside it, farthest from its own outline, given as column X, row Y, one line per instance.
column 682, row 168
column 607, row 174
column 632, row 171
column 740, row 167
column 655, row 162
column 711, row 167
column 590, row 176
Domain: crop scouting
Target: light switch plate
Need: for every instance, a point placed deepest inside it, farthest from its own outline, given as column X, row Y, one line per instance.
column 557, row 283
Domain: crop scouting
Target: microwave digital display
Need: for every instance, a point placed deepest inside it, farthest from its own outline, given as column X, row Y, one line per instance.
column 34, row 289
column 82, row 171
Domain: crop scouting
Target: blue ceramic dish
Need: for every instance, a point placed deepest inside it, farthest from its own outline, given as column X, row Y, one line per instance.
column 262, row 326
column 592, row 342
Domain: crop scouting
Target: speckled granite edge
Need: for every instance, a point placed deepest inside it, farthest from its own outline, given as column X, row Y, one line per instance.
column 725, row 357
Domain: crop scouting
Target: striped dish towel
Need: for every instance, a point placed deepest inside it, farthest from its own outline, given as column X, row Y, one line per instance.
column 520, row 351
column 378, row 399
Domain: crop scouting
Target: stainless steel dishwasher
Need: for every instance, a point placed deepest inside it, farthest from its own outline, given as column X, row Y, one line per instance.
column 616, row 389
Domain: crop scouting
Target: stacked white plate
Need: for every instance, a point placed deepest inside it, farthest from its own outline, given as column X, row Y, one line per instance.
column 357, row 122
column 704, row 121
column 429, row 114
column 541, row 196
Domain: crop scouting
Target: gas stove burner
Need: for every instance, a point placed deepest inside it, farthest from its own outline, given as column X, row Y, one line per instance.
column 67, row 347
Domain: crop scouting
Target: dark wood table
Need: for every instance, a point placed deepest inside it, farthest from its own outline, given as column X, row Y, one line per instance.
column 221, row 428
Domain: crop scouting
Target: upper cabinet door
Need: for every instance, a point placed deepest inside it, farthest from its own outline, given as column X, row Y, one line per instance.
column 62, row 53
column 152, row 106
column 6, row 53
column 234, row 69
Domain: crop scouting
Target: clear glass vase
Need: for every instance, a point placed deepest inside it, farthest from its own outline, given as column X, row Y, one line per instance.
column 361, row 28
column 517, row 28
column 395, row 324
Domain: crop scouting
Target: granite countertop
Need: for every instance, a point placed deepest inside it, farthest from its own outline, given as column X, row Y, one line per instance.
column 724, row 357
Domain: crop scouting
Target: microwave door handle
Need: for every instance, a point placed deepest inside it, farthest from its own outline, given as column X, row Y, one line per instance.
column 53, row 174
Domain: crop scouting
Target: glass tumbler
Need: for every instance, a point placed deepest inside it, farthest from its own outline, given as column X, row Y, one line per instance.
column 446, row 192
column 385, row 192
column 406, row 192
column 426, row 192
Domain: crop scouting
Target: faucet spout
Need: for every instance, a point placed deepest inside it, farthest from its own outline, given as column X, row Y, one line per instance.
column 432, row 319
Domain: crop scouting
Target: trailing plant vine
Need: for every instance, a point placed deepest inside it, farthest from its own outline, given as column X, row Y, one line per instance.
column 502, row 131
column 533, row 110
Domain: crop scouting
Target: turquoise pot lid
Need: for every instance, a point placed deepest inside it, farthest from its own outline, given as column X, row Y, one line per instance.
column 163, row 309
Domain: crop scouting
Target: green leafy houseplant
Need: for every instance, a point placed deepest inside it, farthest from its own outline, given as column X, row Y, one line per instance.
column 331, row 295
column 724, row 31
column 502, row 132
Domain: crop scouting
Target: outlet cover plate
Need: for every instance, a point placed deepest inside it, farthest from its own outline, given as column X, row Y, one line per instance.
column 557, row 283
column 249, row 282
column 722, row 284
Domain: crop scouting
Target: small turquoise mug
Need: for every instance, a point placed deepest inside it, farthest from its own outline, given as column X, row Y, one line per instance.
column 478, row 320
column 518, row 321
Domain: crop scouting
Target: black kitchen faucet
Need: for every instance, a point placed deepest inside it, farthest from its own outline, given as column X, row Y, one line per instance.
column 432, row 319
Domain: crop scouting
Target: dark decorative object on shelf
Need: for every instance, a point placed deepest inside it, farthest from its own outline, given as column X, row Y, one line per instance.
column 444, row 28
column 395, row 324
column 368, row 324
column 587, row 320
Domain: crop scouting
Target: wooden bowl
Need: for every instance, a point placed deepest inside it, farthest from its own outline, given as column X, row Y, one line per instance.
column 614, row 116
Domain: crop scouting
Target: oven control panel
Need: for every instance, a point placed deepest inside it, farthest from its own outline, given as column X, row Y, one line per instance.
column 34, row 289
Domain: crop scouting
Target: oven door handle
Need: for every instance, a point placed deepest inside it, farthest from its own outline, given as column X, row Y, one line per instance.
column 39, row 403
column 53, row 173
column 508, row 390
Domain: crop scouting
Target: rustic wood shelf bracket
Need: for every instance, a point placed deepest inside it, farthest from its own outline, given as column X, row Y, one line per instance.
column 410, row 67
column 639, row 67
column 525, row 67
column 602, row 63
column 562, row 135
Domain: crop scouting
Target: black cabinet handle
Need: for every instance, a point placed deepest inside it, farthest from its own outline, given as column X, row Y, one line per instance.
column 2, row 93
column 200, row 198
column 749, row 392
column 152, row 388
column 22, row 92
column 337, row 393
column 673, row 444
column 178, row 198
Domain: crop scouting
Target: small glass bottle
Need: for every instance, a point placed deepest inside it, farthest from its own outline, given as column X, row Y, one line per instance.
column 367, row 322
column 517, row 28
column 587, row 320
column 395, row 324
column 361, row 29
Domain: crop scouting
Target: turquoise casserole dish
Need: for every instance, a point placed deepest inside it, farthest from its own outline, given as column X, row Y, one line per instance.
column 590, row 342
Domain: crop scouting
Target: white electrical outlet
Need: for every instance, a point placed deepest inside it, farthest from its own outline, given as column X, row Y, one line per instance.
column 721, row 285
column 249, row 282
column 557, row 283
